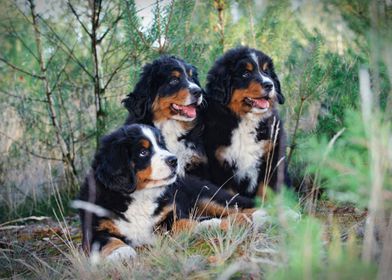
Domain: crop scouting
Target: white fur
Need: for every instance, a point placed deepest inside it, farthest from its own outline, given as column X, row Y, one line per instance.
column 172, row 130
column 141, row 222
column 245, row 152
column 122, row 253
column 263, row 77
column 160, row 169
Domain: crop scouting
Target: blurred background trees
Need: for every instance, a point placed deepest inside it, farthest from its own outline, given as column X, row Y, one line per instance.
column 66, row 66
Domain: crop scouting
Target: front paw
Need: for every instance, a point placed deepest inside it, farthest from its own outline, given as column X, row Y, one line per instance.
column 122, row 253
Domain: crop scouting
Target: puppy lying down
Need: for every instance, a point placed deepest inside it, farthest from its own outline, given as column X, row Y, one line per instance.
column 133, row 190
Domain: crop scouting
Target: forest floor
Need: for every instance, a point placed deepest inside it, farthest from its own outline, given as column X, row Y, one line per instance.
column 46, row 241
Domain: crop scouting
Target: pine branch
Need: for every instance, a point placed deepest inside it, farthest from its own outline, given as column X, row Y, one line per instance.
column 20, row 69
column 78, row 18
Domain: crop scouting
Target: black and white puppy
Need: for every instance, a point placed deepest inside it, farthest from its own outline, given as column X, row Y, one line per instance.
column 168, row 96
column 243, row 135
column 133, row 189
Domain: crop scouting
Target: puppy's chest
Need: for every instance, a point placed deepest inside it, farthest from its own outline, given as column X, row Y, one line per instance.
column 186, row 151
column 141, row 220
column 245, row 152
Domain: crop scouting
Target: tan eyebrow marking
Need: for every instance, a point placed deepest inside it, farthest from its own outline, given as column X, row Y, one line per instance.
column 265, row 66
column 249, row 67
column 176, row 74
column 145, row 143
column 190, row 73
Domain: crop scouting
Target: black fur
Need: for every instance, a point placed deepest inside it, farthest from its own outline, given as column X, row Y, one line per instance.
column 155, row 81
column 228, row 74
column 112, row 182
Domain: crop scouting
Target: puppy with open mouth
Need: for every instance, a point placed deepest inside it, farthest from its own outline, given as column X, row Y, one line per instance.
column 243, row 136
column 168, row 96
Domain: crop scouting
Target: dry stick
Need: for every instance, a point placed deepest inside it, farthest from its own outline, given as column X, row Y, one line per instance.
column 219, row 4
column 168, row 24
column 294, row 140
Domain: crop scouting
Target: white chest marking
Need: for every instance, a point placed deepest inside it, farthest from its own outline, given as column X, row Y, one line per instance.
column 171, row 131
column 140, row 225
column 245, row 151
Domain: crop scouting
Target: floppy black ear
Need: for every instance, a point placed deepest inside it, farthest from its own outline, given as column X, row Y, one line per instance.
column 219, row 84
column 113, row 168
column 138, row 102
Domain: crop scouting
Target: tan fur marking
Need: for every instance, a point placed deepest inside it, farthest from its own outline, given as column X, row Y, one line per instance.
column 249, row 67
column 190, row 73
column 237, row 104
column 265, row 66
column 262, row 191
column 241, row 218
column 176, row 74
column 210, row 208
column 161, row 105
column 142, row 177
column 183, row 225
column 164, row 213
column 112, row 245
column 145, row 143
column 109, row 226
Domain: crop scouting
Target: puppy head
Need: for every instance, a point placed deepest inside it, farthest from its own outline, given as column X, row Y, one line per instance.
column 168, row 89
column 244, row 80
column 134, row 157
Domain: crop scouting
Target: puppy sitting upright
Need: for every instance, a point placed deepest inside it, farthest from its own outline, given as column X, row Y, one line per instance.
column 168, row 96
column 133, row 189
column 244, row 137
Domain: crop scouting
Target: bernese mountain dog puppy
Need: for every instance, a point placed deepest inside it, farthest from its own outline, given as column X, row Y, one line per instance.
column 168, row 96
column 133, row 189
column 244, row 137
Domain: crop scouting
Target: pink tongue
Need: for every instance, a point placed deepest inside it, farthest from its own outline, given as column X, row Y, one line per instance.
column 261, row 103
column 190, row 111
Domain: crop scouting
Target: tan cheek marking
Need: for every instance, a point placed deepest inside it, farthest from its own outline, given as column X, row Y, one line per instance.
column 142, row 177
column 237, row 104
column 112, row 245
column 161, row 105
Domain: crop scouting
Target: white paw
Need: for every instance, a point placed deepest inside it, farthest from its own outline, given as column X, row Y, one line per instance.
column 122, row 253
column 208, row 224
column 259, row 218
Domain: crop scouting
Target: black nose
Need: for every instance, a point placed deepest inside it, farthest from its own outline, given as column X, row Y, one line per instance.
column 171, row 162
column 196, row 92
column 267, row 86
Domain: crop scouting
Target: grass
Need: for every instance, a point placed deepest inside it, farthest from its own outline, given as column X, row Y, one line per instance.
column 313, row 247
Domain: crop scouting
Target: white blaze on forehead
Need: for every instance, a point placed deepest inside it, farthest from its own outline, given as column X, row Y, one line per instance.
column 160, row 169
column 263, row 77
column 192, row 85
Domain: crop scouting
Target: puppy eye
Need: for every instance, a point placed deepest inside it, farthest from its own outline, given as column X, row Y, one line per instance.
column 174, row 81
column 246, row 74
column 144, row 153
